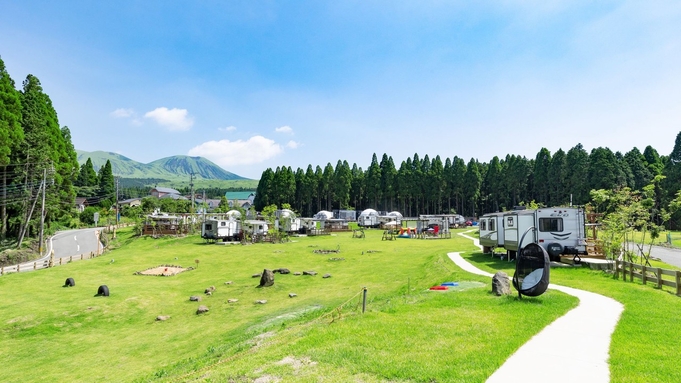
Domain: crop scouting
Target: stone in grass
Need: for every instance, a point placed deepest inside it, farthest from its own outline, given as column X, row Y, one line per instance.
column 232, row 300
column 202, row 309
column 326, row 276
column 256, row 275
column 261, row 301
column 297, row 273
column 162, row 317
column 267, row 278
column 292, row 295
column 500, row 284
column 209, row 290
column 195, row 298
column 228, row 282
column 282, row 271
column 309, row 272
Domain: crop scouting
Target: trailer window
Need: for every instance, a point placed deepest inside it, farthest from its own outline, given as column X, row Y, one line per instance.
column 550, row 224
column 492, row 224
column 209, row 226
column 483, row 224
column 223, row 223
column 509, row 222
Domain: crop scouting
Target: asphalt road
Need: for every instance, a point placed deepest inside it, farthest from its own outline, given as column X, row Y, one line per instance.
column 668, row 255
column 75, row 242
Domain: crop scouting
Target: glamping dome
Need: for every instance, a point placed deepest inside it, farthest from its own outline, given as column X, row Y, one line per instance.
column 286, row 213
column 324, row 214
column 233, row 213
column 395, row 214
column 368, row 213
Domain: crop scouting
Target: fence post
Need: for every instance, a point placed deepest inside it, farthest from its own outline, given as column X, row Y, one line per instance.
column 617, row 269
column 34, row 264
column 678, row 282
column 631, row 271
column 18, row 268
column 2, row 270
column 364, row 299
column 81, row 257
column 659, row 278
column 644, row 276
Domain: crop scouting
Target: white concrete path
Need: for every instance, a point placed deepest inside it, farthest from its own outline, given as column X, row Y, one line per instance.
column 574, row 348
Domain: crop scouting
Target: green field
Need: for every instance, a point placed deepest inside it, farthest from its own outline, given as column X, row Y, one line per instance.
column 409, row 334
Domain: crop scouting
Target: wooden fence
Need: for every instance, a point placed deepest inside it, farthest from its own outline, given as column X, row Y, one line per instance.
column 649, row 274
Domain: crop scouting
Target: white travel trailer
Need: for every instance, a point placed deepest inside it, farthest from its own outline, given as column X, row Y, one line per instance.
column 491, row 231
column 368, row 218
column 255, row 227
column 559, row 230
column 221, row 229
column 286, row 221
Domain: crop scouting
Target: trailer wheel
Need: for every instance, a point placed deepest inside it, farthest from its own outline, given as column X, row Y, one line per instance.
column 103, row 291
column 486, row 249
column 69, row 282
column 554, row 249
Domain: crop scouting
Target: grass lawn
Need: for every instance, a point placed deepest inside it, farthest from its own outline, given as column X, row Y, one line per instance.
column 51, row 333
column 408, row 334
column 645, row 345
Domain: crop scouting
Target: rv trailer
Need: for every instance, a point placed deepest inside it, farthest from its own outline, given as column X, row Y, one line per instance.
column 368, row 218
column 221, row 230
column 491, row 231
column 559, row 230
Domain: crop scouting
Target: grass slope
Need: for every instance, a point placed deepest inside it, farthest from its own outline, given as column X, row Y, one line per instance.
column 407, row 334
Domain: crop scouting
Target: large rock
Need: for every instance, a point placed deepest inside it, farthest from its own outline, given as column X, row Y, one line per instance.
column 310, row 272
column 202, row 310
column 267, row 278
column 282, row 271
column 195, row 298
column 500, row 284
column 162, row 317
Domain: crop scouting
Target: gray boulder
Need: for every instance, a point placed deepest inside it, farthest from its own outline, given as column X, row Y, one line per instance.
column 162, row 317
column 195, row 298
column 309, row 272
column 267, row 278
column 326, row 276
column 500, row 284
column 202, row 310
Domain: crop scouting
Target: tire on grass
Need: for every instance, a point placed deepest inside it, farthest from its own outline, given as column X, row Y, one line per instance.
column 103, row 291
column 69, row 282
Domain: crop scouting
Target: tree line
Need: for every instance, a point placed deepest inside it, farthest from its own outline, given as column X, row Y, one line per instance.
column 37, row 159
column 472, row 188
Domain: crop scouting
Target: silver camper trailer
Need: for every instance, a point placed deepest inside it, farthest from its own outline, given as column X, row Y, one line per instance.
column 221, row 229
column 491, row 231
column 559, row 230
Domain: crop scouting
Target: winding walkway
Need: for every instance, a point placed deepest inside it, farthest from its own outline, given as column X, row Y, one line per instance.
column 574, row 348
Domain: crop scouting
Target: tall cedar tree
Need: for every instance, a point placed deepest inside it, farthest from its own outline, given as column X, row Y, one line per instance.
column 107, row 188
column 11, row 135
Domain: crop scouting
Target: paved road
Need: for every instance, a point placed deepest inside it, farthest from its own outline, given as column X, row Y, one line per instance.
column 75, row 242
column 668, row 255
column 65, row 244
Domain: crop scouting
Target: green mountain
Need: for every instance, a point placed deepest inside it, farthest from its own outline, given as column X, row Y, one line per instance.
column 172, row 169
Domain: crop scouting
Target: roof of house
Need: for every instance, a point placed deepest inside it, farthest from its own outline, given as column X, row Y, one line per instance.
column 80, row 200
column 166, row 190
column 238, row 195
column 174, row 196
column 130, row 200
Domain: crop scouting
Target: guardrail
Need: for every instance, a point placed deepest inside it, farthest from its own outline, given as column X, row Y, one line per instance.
column 649, row 274
column 45, row 263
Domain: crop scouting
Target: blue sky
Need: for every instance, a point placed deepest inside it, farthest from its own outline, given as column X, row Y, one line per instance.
column 257, row 84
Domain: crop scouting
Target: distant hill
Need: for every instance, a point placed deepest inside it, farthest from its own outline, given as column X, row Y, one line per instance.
column 172, row 169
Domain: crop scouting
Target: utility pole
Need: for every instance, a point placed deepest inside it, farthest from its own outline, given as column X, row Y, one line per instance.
column 42, row 215
column 118, row 207
column 191, row 190
column 205, row 205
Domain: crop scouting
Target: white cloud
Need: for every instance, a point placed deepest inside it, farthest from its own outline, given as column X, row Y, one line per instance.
column 227, row 129
column 122, row 113
column 284, row 129
column 228, row 153
column 292, row 144
column 173, row 119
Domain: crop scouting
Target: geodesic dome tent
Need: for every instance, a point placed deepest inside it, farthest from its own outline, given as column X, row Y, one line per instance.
column 395, row 214
column 286, row 213
column 368, row 213
column 323, row 215
column 234, row 213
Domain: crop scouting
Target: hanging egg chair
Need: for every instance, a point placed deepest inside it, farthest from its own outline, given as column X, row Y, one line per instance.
column 532, row 269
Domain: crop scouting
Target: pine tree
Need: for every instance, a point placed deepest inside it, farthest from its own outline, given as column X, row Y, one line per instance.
column 107, row 188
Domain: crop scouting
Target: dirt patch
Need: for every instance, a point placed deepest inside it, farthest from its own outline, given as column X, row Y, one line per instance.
column 164, row 271
column 297, row 363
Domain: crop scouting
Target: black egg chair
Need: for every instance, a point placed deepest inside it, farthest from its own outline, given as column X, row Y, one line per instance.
column 532, row 269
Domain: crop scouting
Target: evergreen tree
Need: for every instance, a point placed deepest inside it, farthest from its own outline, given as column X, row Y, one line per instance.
column 471, row 187
column 558, row 193
column 577, row 182
column 641, row 175
column 11, row 135
column 542, row 176
column 87, row 176
column 672, row 170
column 342, row 183
column 107, row 187
column 358, row 187
column 604, row 172
column 373, row 183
